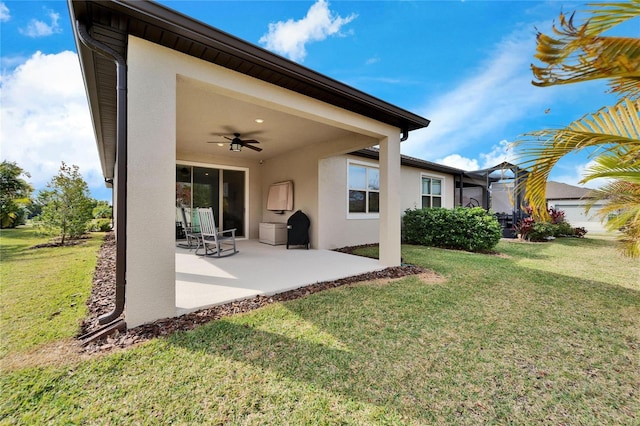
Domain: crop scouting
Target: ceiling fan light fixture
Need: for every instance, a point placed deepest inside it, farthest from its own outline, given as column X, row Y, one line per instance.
column 235, row 146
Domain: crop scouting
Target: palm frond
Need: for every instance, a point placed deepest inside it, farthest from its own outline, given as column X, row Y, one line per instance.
column 621, row 212
column 578, row 52
column 626, row 86
column 605, row 16
column 625, row 166
column 614, row 130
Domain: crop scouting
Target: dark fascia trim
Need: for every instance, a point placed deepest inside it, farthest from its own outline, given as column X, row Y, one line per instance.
column 555, row 198
column 191, row 29
column 405, row 160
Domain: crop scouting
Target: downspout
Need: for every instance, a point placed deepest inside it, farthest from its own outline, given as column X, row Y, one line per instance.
column 121, row 161
column 405, row 134
column 486, row 192
column 461, row 192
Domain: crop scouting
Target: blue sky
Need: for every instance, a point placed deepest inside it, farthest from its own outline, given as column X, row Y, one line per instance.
column 465, row 65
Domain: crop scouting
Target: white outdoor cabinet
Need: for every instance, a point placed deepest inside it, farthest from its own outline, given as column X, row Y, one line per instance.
column 274, row 233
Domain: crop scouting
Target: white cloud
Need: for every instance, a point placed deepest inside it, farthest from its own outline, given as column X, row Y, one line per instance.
column 5, row 15
column 459, row 162
column 498, row 154
column 37, row 28
column 45, row 119
column 290, row 38
column 373, row 60
column 498, row 93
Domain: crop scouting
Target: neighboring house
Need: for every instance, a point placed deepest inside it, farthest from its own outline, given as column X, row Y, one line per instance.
column 182, row 86
column 572, row 200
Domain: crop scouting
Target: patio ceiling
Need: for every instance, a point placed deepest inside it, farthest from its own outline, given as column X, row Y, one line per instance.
column 204, row 115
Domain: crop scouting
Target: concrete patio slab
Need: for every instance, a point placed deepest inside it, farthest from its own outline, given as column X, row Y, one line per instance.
column 258, row 269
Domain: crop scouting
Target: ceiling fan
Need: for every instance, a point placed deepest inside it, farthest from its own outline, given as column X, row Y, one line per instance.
column 237, row 143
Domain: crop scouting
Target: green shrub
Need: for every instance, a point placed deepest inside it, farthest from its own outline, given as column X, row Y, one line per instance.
column 562, row 229
column 541, row 231
column 531, row 230
column 100, row 225
column 471, row 229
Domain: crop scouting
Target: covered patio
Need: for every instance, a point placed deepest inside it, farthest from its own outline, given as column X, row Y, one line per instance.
column 169, row 96
column 259, row 269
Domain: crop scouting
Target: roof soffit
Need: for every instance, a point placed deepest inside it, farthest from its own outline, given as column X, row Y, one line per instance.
column 156, row 23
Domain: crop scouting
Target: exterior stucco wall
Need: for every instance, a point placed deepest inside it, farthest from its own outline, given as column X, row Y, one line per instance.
column 151, row 101
column 390, row 216
column 411, row 188
column 341, row 229
column 302, row 166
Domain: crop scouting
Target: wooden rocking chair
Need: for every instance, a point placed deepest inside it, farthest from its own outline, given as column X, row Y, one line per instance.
column 191, row 232
column 215, row 243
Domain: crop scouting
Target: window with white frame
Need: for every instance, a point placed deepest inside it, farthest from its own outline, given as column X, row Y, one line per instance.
column 364, row 189
column 431, row 192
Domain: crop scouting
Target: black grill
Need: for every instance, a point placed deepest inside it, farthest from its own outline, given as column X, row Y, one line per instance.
column 298, row 230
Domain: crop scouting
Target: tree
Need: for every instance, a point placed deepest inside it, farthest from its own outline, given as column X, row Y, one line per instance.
column 578, row 53
column 15, row 195
column 102, row 210
column 66, row 205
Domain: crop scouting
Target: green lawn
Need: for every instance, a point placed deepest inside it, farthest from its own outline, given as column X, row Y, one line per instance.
column 43, row 291
column 544, row 333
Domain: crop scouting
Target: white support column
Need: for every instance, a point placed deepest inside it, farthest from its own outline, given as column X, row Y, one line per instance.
column 390, row 214
column 150, row 291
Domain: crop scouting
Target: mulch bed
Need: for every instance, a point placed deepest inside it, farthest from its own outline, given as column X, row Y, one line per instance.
column 102, row 300
column 103, row 291
column 352, row 249
column 56, row 242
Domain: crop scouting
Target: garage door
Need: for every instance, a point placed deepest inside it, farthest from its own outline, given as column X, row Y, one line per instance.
column 576, row 216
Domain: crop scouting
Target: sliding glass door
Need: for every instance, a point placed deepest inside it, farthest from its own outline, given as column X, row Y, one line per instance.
column 221, row 189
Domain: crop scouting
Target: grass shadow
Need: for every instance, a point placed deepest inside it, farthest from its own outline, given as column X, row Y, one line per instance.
column 499, row 342
column 356, row 374
column 432, row 353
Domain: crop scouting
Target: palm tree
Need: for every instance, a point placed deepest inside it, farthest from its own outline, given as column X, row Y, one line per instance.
column 579, row 53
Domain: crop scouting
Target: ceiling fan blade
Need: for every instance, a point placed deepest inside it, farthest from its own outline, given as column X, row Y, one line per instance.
column 255, row 148
column 249, row 141
column 226, row 137
column 229, row 129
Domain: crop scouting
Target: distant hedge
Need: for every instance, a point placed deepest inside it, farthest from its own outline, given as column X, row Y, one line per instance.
column 471, row 229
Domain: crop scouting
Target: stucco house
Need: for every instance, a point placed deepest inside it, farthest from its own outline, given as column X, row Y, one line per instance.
column 166, row 91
